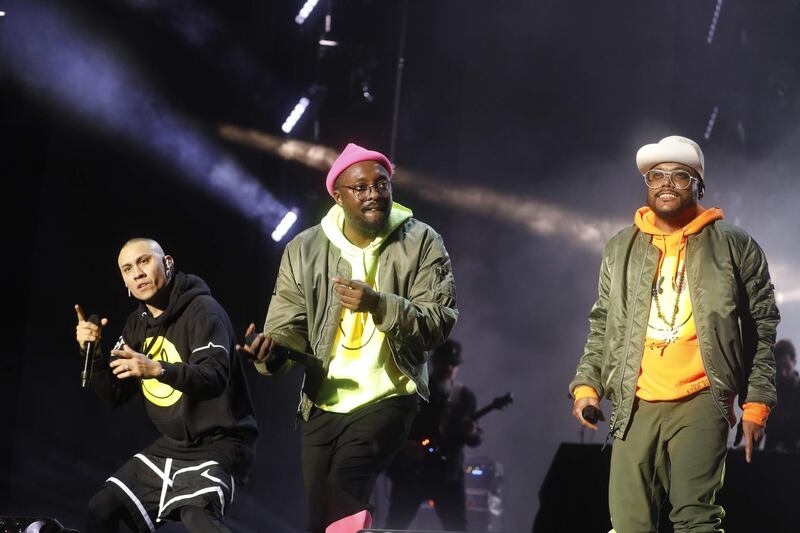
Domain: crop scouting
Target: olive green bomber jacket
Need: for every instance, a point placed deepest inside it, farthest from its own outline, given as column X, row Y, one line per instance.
column 417, row 307
column 734, row 310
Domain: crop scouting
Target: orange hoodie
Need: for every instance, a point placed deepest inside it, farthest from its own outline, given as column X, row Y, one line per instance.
column 672, row 367
column 671, row 364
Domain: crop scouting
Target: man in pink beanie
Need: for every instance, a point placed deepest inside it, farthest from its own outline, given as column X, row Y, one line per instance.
column 367, row 292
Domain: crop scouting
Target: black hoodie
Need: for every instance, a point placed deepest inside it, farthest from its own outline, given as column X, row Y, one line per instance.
column 201, row 404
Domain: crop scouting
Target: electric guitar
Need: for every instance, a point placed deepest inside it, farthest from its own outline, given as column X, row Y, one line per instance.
column 428, row 451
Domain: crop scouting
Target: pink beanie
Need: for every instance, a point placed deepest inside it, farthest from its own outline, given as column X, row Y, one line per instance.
column 351, row 155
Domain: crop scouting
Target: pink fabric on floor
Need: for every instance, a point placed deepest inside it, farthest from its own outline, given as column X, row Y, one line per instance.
column 351, row 524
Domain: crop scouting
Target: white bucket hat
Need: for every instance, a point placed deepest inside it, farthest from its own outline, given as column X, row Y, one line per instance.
column 672, row 149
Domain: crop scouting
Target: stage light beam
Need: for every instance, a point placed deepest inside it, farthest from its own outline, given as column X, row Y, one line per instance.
column 85, row 76
column 305, row 11
column 295, row 115
column 285, row 224
column 308, row 104
column 711, row 120
column 537, row 217
column 712, row 29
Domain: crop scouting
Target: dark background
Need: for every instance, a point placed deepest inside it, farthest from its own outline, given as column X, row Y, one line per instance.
column 524, row 117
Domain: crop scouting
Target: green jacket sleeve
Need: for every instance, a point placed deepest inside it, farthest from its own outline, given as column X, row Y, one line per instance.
column 425, row 317
column 286, row 321
column 591, row 362
column 762, row 319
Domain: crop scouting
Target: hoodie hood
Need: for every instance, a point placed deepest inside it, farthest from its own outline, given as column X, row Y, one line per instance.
column 333, row 227
column 645, row 220
column 674, row 243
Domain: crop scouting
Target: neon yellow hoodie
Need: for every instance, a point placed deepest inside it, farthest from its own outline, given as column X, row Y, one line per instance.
column 361, row 369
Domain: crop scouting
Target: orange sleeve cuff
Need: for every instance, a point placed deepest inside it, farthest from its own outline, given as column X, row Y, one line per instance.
column 584, row 391
column 756, row 413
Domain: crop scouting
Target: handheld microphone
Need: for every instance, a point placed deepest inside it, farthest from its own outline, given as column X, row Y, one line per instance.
column 88, row 355
column 591, row 414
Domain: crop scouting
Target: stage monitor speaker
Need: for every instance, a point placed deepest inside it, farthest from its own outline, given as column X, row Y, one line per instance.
column 27, row 524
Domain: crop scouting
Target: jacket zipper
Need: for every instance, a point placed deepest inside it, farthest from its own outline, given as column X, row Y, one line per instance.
column 628, row 335
column 700, row 344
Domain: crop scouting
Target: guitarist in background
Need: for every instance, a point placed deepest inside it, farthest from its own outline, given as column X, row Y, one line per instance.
column 431, row 465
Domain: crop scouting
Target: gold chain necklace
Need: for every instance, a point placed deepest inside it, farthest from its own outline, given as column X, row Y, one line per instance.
column 672, row 333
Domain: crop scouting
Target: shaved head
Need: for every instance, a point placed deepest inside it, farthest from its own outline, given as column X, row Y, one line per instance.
column 154, row 246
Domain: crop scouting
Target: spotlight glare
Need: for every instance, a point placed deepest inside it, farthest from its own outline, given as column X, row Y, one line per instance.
column 535, row 216
column 287, row 222
column 294, row 116
column 367, row 94
column 80, row 74
column 328, row 42
column 712, row 29
column 710, row 126
column 305, row 11
column 2, row 13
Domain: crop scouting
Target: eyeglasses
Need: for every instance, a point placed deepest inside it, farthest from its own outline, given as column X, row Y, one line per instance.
column 362, row 192
column 680, row 179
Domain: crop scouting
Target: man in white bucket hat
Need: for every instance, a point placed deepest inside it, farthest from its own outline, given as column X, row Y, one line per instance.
column 684, row 323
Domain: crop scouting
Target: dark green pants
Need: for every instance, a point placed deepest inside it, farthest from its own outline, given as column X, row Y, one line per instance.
column 673, row 449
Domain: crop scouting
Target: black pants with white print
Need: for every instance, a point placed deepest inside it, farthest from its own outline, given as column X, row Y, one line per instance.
column 149, row 490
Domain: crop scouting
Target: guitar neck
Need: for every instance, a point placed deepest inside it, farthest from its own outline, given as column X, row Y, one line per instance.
column 483, row 411
column 498, row 403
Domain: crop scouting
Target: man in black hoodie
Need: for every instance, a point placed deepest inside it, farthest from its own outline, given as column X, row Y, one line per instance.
column 177, row 349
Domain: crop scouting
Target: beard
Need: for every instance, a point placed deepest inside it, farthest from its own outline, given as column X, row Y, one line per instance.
column 371, row 223
column 374, row 226
column 675, row 211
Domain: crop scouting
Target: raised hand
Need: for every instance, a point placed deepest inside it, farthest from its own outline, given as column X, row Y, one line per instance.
column 85, row 331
